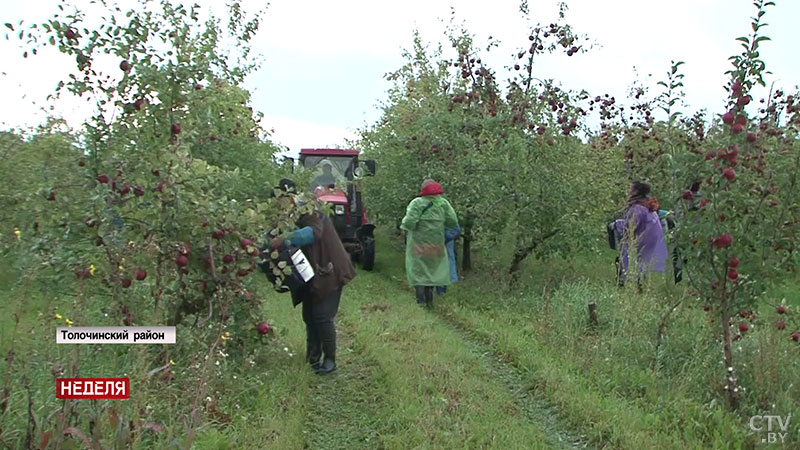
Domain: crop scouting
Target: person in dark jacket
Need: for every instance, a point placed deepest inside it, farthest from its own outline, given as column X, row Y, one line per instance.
column 332, row 271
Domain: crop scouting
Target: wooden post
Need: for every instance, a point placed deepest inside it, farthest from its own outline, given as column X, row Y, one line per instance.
column 593, row 314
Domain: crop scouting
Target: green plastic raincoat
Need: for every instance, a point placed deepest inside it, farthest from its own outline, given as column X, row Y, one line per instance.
column 427, row 263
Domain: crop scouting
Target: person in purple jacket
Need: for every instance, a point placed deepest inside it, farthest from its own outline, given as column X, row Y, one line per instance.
column 641, row 225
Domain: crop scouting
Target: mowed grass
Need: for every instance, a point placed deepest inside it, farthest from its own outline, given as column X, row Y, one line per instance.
column 611, row 382
column 489, row 367
column 405, row 380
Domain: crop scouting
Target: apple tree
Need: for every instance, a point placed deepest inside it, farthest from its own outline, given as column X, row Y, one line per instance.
column 506, row 155
column 742, row 234
column 158, row 207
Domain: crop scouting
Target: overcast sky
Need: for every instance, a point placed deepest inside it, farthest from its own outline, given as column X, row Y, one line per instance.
column 325, row 60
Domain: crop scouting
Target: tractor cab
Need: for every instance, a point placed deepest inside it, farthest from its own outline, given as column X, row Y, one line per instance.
column 336, row 175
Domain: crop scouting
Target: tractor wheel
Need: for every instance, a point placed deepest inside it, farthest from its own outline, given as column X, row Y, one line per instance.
column 368, row 253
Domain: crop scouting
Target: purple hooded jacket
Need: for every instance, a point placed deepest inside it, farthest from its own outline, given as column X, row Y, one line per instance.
column 648, row 236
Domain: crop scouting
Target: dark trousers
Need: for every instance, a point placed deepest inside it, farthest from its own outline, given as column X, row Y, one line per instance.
column 320, row 329
column 424, row 295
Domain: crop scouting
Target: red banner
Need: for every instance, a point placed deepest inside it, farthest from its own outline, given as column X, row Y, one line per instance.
column 101, row 388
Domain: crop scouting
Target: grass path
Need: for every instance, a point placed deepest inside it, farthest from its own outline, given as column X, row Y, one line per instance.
column 344, row 408
column 408, row 379
column 480, row 371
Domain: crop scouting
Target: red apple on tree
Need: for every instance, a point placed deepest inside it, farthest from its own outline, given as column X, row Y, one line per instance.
column 781, row 325
column 723, row 240
column 781, row 309
column 743, row 326
column 263, row 328
column 125, row 282
column 729, row 173
column 141, row 274
column 727, row 118
column 181, row 260
column 125, row 65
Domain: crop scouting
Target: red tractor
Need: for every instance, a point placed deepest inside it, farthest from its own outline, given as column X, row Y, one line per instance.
column 336, row 175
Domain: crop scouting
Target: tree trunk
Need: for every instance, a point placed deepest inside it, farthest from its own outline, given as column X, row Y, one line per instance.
column 593, row 314
column 466, row 252
column 520, row 256
column 730, row 382
column 524, row 252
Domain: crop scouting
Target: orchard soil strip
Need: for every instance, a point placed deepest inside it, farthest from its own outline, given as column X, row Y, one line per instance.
column 343, row 413
column 535, row 406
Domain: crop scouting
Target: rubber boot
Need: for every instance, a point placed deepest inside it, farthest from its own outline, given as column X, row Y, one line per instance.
column 421, row 296
column 327, row 333
column 429, row 297
column 313, row 347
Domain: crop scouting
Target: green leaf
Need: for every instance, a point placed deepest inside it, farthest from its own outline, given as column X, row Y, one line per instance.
column 9, row 26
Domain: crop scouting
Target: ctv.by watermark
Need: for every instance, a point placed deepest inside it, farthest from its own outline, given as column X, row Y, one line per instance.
column 773, row 425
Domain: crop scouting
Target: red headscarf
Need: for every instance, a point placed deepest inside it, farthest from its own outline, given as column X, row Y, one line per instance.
column 431, row 188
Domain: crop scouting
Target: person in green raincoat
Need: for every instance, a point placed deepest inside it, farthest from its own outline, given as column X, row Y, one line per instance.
column 427, row 262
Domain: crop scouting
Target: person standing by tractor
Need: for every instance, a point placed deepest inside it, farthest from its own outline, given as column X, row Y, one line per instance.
column 318, row 239
column 641, row 225
column 427, row 262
